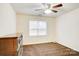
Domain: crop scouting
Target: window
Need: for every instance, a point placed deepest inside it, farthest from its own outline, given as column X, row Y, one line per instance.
column 37, row 28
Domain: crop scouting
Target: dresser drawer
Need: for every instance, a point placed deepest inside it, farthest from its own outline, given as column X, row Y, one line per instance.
column 11, row 45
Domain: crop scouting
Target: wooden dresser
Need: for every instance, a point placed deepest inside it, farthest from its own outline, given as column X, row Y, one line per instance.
column 11, row 45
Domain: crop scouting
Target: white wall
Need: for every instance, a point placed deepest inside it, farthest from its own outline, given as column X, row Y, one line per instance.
column 7, row 19
column 67, row 27
column 22, row 26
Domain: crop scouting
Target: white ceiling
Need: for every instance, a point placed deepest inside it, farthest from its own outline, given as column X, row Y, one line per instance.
column 29, row 8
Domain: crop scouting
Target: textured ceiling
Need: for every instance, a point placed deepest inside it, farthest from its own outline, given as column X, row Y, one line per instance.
column 29, row 8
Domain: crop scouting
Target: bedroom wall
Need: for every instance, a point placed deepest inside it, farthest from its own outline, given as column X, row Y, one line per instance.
column 7, row 19
column 67, row 29
column 22, row 26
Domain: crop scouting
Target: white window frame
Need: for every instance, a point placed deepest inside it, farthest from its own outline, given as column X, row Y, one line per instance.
column 39, row 29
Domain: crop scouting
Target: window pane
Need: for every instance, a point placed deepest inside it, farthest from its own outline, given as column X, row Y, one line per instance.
column 37, row 28
column 42, row 32
column 33, row 32
column 42, row 25
column 33, row 25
